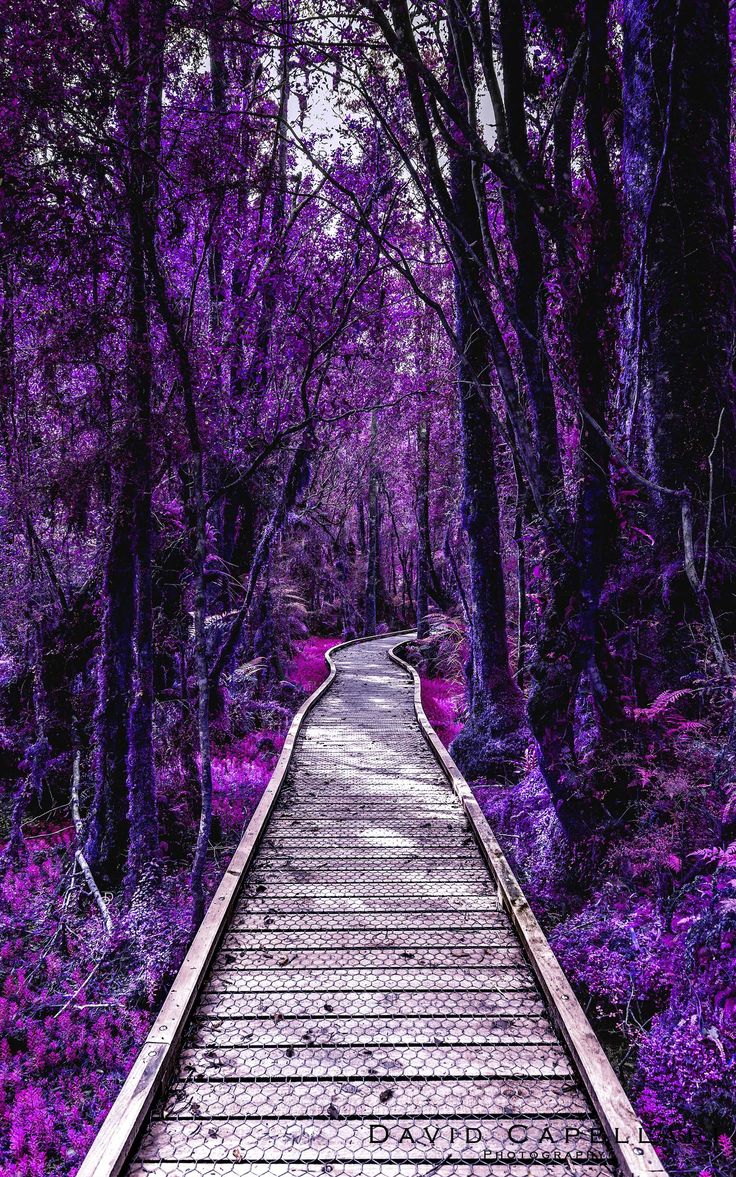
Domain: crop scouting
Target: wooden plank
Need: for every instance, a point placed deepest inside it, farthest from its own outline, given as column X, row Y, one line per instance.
column 627, row 1140
column 276, row 870
column 328, row 1139
column 396, row 887
column 305, row 905
column 509, row 1060
column 197, row 1100
column 380, row 921
column 407, row 1031
column 192, row 1168
column 379, row 831
column 225, row 979
column 310, row 858
column 371, row 958
column 390, row 1003
column 303, row 940
column 308, row 847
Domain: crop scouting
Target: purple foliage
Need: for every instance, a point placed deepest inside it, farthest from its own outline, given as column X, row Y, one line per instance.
column 443, row 701
column 70, row 1024
column 75, row 1008
column 649, row 943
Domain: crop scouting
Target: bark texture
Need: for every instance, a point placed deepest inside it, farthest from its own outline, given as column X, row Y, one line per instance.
column 680, row 294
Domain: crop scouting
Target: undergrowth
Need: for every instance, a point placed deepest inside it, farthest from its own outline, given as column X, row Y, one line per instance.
column 648, row 939
column 75, row 1005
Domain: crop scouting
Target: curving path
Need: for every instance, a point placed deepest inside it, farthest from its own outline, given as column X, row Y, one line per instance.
column 370, row 1010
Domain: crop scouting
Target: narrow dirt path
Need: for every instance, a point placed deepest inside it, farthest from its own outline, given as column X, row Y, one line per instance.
column 370, row 1010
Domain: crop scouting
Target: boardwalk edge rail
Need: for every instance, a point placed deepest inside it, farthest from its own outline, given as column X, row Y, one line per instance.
column 113, row 1145
column 636, row 1157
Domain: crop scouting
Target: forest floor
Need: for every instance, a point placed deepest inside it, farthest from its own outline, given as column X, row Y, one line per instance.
column 647, row 940
column 75, row 1005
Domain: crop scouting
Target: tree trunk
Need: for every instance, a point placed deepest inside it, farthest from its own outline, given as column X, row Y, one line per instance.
column 202, row 674
column 593, row 335
column 371, row 586
column 107, row 840
column 529, row 287
column 520, row 522
column 423, row 540
column 257, row 373
column 492, row 742
column 143, row 845
column 218, row 91
column 680, row 295
column 177, row 338
column 146, row 64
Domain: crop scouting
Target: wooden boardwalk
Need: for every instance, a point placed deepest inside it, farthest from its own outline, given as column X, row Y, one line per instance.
column 370, row 1009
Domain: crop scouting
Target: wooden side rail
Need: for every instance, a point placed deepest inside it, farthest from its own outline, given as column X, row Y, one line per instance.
column 151, row 1070
column 635, row 1155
